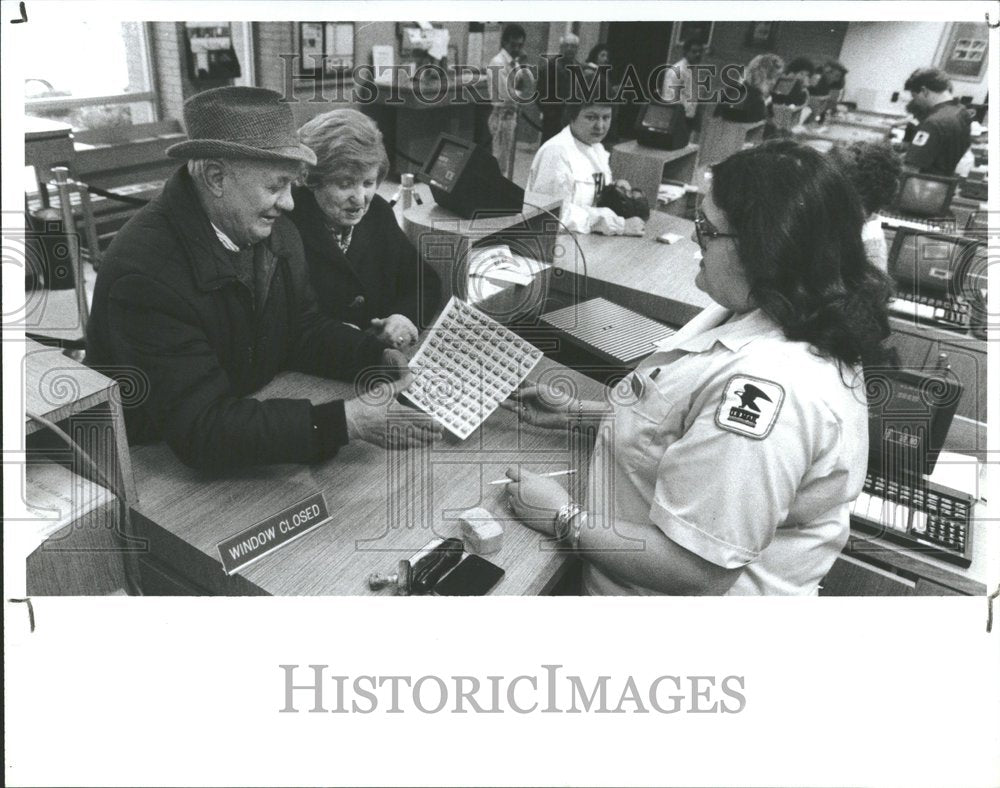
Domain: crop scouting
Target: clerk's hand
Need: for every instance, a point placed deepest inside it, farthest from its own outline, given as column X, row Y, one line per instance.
column 535, row 500
column 395, row 331
column 369, row 420
column 541, row 406
column 621, row 183
column 634, row 226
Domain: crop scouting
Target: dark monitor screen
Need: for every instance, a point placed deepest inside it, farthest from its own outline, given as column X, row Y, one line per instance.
column 787, row 90
column 925, row 196
column 908, row 418
column 447, row 164
column 466, row 180
column 931, row 264
column 661, row 116
column 784, row 85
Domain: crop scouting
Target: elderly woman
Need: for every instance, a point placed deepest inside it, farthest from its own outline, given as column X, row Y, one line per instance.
column 364, row 270
column 575, row 166
column 743, row 440
column 759, row 78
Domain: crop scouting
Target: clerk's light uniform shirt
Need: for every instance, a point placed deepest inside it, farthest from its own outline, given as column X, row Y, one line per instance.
column 767, row 490
column 567, row 168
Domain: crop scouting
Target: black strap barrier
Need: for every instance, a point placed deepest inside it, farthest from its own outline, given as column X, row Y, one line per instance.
column 114, row 195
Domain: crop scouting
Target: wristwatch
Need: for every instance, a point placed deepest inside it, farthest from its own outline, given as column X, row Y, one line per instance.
column 569, row 522
column 576, row 526
column 566, row 513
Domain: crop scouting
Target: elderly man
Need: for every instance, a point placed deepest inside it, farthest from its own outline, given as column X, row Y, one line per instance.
column 205, row 293
column 510, row 82
column 555, row 85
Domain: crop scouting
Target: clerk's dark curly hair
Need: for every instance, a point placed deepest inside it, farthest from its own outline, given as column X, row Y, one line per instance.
column 798, row 225
column 874, row 168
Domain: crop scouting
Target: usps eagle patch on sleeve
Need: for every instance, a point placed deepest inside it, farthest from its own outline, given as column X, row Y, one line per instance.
column 920, row 139
column 750, row 406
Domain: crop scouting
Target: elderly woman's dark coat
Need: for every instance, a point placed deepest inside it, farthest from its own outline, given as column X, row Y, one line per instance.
column 172, row 316
column 379, row 276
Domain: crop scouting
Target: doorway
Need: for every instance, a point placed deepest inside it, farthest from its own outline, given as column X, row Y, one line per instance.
column 644, row 46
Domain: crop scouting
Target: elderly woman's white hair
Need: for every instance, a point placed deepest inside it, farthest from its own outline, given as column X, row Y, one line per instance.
column 344, row 141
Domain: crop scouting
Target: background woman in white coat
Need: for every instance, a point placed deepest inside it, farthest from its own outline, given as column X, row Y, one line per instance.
column 574, row 165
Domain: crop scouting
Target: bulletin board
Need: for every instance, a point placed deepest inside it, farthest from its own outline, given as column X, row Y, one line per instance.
column 326, row 48
column 210, row 51
column 761, row 35
column 964, row 52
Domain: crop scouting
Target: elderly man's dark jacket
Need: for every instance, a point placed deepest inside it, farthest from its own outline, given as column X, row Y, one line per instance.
column 169, row 307
column 380, row 275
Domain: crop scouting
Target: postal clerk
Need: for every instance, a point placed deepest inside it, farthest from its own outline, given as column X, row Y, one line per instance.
column 744, row 439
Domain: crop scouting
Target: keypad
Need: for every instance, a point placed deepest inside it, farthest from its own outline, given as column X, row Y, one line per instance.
column 918, row 513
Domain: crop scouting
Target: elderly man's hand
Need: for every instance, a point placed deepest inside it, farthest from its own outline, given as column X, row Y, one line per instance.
column 368, row 419
column 396, row 363
column 395, row 331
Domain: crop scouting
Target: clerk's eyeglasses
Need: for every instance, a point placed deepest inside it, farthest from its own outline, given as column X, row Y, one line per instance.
column 705, row 231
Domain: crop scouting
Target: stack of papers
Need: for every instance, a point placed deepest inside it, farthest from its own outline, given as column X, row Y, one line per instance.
column 669, row 192
column 497, row 264
column 959, row 472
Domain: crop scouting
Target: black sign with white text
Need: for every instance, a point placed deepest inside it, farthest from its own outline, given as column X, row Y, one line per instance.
column 242, row 549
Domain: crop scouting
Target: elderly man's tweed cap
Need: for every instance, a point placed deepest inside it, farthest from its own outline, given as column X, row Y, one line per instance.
column 240, row 123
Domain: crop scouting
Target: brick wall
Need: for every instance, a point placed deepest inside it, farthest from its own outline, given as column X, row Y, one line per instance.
column 270, row 40
column 165, row 52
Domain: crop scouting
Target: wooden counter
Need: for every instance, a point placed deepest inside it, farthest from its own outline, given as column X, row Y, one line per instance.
column 652, row 278
column 373, row 492
column 385, row 505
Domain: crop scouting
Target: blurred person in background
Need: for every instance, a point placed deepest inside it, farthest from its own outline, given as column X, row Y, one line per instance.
column 759, row 78
column 554, row 85
column 678, row 80
column 510, row 82
column 874, row 169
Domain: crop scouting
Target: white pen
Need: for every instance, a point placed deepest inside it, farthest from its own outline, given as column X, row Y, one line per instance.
column 554, row 473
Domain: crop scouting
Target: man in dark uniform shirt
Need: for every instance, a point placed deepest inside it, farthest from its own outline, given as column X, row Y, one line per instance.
column 943, row 136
